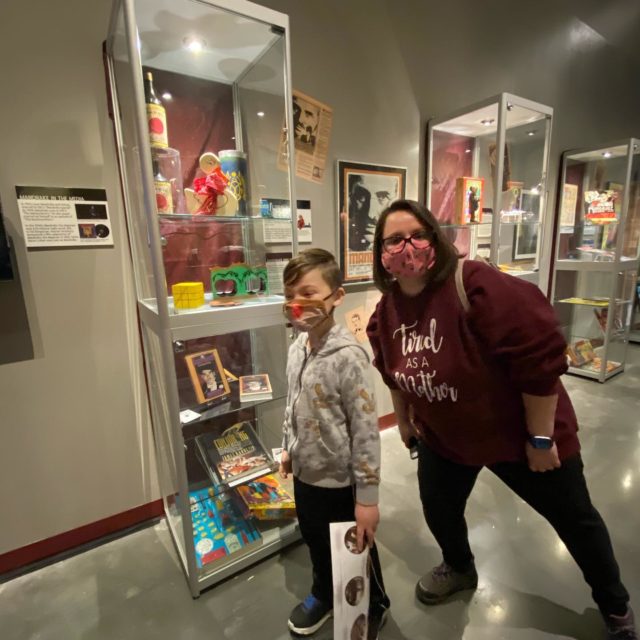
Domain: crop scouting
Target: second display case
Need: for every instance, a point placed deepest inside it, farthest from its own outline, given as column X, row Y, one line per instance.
column 597, row 241
column 486, row 180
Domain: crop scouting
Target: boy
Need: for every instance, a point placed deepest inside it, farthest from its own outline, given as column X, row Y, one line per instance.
column 331, row 441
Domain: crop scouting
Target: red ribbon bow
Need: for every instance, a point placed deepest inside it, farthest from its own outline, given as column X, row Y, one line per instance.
column 212, row 186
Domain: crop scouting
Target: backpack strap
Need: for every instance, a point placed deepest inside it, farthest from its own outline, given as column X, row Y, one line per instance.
column 462, row 294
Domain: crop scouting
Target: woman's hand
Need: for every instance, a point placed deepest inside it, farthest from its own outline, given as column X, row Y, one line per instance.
column 407, row 432
column 285, row 465
column 542, row 460
column 367, row 518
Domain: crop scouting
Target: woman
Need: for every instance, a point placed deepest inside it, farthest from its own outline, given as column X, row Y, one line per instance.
column 473, row 359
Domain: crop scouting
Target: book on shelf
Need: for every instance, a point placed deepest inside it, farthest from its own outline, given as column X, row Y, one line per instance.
column 268, row 499
column 220, row 531
column 580, row 353
column 255, row 387
column 234, row 456
column 595, row 365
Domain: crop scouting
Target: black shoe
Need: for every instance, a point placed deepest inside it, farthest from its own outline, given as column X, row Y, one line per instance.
column 307, row 617
column 377, row 618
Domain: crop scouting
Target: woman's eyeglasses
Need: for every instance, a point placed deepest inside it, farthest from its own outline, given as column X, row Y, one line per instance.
column 396, row 244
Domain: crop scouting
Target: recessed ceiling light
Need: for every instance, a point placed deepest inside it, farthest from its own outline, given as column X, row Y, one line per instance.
column 607, row 154
column 487, row 122
column 193, row 44
column 467, row 150
column 260, row 114
column 531, row 133
column 167, row 96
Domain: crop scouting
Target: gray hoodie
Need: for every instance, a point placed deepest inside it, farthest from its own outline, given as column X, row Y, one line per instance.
column 331, row 425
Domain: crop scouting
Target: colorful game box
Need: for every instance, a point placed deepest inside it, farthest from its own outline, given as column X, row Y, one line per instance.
column 219, row 528
column 268, row 499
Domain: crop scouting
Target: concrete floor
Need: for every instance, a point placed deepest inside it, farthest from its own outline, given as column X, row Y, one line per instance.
column 530, row 589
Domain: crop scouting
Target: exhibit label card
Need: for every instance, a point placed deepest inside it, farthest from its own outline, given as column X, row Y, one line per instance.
column 276, row 213
column 64, row 217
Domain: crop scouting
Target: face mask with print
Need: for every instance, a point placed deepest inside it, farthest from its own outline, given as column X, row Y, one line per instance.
column 304, row 314
column 410, row 262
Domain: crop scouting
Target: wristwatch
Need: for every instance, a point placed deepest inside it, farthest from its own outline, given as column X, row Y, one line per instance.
column 541, row 442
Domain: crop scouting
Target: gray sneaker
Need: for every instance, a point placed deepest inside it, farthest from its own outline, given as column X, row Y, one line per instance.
column 443, row 581
column 622, row 627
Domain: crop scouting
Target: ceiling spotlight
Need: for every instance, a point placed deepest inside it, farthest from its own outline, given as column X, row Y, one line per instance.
column 487, row 122
column 531, row 133
column 193, row 44
column 607, row 154
column 467, row 150
column 509, row 106
column 167, row 96
column 260, row 114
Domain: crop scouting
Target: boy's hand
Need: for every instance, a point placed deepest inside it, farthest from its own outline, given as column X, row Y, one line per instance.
column 367, row 518
column 285, row 465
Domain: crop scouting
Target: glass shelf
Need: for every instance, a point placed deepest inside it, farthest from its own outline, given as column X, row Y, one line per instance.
column 508, row 223
column 587, row 302
column 469, row 225
column 208, row 219
column 232, row 405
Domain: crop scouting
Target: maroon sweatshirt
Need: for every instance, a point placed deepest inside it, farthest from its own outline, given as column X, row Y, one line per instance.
column 465, row 372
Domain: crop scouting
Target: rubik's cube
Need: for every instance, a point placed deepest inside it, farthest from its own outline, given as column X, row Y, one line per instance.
column 188, row 295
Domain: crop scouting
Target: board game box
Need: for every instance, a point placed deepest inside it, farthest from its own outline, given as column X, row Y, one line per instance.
column 220, row 531
column 268, row 499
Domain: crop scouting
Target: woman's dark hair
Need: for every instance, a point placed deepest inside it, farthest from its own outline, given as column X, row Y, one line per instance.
column 446, row 253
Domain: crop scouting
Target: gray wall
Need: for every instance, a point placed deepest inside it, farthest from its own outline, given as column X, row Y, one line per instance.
column 75, row 434
column 73, row 420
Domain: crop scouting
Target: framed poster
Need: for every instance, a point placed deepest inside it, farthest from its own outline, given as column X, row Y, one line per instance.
column 364, row 191
column 569, row 205
column 312, row 123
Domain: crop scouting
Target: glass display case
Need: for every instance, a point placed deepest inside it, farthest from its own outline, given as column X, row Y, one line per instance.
column 201, row 102
column 597, row 241
column 486, row 180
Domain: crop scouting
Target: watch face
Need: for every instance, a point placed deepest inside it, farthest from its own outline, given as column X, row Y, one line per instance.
column 541, row 442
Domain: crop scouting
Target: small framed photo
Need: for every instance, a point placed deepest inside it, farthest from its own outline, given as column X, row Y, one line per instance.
column 207, row 376
column 255, row 387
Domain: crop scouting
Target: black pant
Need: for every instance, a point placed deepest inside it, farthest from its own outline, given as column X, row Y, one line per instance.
column 317, row 507
column 561, row 496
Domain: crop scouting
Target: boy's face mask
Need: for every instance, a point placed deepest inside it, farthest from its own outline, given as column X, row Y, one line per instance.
column 305, row 314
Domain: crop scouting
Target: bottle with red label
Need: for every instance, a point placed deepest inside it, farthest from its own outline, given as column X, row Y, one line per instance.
column 164, row 195
column 156, row 114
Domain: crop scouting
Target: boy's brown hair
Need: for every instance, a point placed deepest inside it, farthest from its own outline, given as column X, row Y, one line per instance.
column 311, row 259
